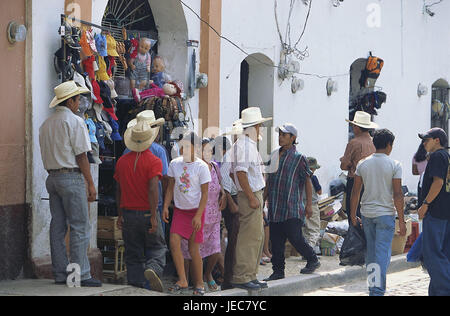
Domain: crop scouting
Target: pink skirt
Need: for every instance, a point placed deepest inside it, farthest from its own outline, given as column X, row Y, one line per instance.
column 182, row 224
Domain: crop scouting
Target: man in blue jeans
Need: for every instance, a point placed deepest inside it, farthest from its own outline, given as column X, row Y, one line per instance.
column 382, row 180
column 436, row 212
column 64, row 142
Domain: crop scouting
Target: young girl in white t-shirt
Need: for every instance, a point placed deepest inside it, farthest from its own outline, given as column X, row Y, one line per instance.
column 189, row 178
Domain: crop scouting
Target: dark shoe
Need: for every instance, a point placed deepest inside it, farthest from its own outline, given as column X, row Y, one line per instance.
column 274, row 277
column 91, row 283
column 310, row 267
column 262, row 285
column 249, row 286
column 154, row 280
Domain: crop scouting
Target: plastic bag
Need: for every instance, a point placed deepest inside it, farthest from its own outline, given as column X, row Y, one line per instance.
column 353, row 251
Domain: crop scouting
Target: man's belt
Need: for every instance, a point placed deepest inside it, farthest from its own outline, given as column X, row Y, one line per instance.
column 65, row 170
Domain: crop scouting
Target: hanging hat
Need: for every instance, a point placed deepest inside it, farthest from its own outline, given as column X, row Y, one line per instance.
column 100, row 43
column 108, row 106
column 85, row 103
column 111, row 64
column 90, row 37
column 134, row 48
column 69, row 36
column 112, row 87
column 111, row 46
column 92, row 130
column 66, row 91
column 100, row 134
column 101, row 73
column 88, row 65
column 95, row 153
column 96, row 90
column 140, row 137
column 252, row 116
column 148, row 117
column 85, row 45
column 115, row 135
column 312, row 163
column 363, row 119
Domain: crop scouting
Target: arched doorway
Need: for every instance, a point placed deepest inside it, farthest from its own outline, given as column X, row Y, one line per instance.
column 257, row 89
column 440, row 108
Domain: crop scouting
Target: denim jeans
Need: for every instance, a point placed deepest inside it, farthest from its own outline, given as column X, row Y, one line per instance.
column 142, row 250
column 379, row 232
column 436, row 254
column 69, row 207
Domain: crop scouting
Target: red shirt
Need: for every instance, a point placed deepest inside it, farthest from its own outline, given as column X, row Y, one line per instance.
column 134, row 185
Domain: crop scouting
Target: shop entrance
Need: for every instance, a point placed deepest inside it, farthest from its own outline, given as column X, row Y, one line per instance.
column 440, row 107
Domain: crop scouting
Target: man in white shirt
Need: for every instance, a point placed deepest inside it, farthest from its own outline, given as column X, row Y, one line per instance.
column 383, row 195
column 64, row 142
column 247, row 169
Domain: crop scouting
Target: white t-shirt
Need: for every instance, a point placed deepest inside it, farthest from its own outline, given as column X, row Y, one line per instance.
column 377, row 172
column 189, row 176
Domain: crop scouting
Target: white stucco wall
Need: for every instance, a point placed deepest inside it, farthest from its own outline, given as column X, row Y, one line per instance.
column 410, row 43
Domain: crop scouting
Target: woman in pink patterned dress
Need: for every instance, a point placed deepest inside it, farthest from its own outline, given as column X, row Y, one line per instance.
column 210, row 249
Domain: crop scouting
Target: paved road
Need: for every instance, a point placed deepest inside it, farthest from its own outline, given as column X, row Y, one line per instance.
column 412, row 282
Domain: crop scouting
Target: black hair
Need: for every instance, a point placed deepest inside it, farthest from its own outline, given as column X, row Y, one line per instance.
column 222, row 141
column 421, row 154
column 74, row 98
column 382, row 138
column 192, row 138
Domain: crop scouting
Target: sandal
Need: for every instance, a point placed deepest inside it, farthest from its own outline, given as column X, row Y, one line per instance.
column 212, row 285
column 261, row 262
column 176, row 289
column 198, row 292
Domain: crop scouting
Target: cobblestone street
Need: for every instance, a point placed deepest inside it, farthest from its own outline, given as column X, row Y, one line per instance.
column 412, row 282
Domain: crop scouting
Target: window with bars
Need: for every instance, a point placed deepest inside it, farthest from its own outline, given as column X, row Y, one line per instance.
column 440, row 111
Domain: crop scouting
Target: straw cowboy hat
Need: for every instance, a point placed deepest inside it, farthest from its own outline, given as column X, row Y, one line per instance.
column 252, row 116
column 139, row 137
column 148, row 117
column 363, row 119
column 236, row 129
column 66, row 91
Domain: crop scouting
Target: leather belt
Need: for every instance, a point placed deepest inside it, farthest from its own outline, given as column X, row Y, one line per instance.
column 65, row 170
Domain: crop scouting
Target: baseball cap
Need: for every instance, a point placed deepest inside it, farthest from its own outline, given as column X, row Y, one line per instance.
column 288, row 128
column 436, row 132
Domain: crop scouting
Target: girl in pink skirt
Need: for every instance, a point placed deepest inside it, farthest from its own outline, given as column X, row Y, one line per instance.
column 210, row 249
column 189, row 178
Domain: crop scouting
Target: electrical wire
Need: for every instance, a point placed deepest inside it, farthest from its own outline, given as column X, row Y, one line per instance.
column 252, row 56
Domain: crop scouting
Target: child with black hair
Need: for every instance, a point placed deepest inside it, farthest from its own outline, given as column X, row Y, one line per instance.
column 189, row 179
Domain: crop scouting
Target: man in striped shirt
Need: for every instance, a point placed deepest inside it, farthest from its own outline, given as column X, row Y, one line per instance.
column 284, row 192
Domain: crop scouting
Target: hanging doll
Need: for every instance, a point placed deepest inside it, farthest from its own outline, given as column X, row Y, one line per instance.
column 159, row 77
column 140, row 65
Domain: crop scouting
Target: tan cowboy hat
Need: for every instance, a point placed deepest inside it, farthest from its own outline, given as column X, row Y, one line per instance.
column 252, row 116
column 139, row 137
column 363, row 119
column 148, row 117
column 66, row 91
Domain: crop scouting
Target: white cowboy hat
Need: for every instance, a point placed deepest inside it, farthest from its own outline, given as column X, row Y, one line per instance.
column 236, row 129
column 139, row 137
column 148, row 117
column 252, row 116
column 66, row 91
column 363, row 119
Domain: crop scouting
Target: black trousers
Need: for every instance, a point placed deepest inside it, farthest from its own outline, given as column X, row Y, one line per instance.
column 232, row 225
column 348, row 192
column 289, row 230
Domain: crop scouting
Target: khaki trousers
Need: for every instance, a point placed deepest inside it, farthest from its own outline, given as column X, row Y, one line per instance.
column 311, row 230
column 250, row 240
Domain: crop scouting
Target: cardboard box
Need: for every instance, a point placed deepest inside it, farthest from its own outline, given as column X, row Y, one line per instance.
column 107, row 228
column 399, row 242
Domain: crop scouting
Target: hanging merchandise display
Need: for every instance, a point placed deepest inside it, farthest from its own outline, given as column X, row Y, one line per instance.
column 369, row 102
column 372, row 70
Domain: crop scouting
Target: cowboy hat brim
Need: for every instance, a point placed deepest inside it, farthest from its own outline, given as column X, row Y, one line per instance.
column 246, row 125
column 79, row 91
column 142, row 146
column 372, row 125
column 158, row 122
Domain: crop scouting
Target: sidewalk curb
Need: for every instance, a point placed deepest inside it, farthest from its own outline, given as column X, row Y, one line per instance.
column 298, row 285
